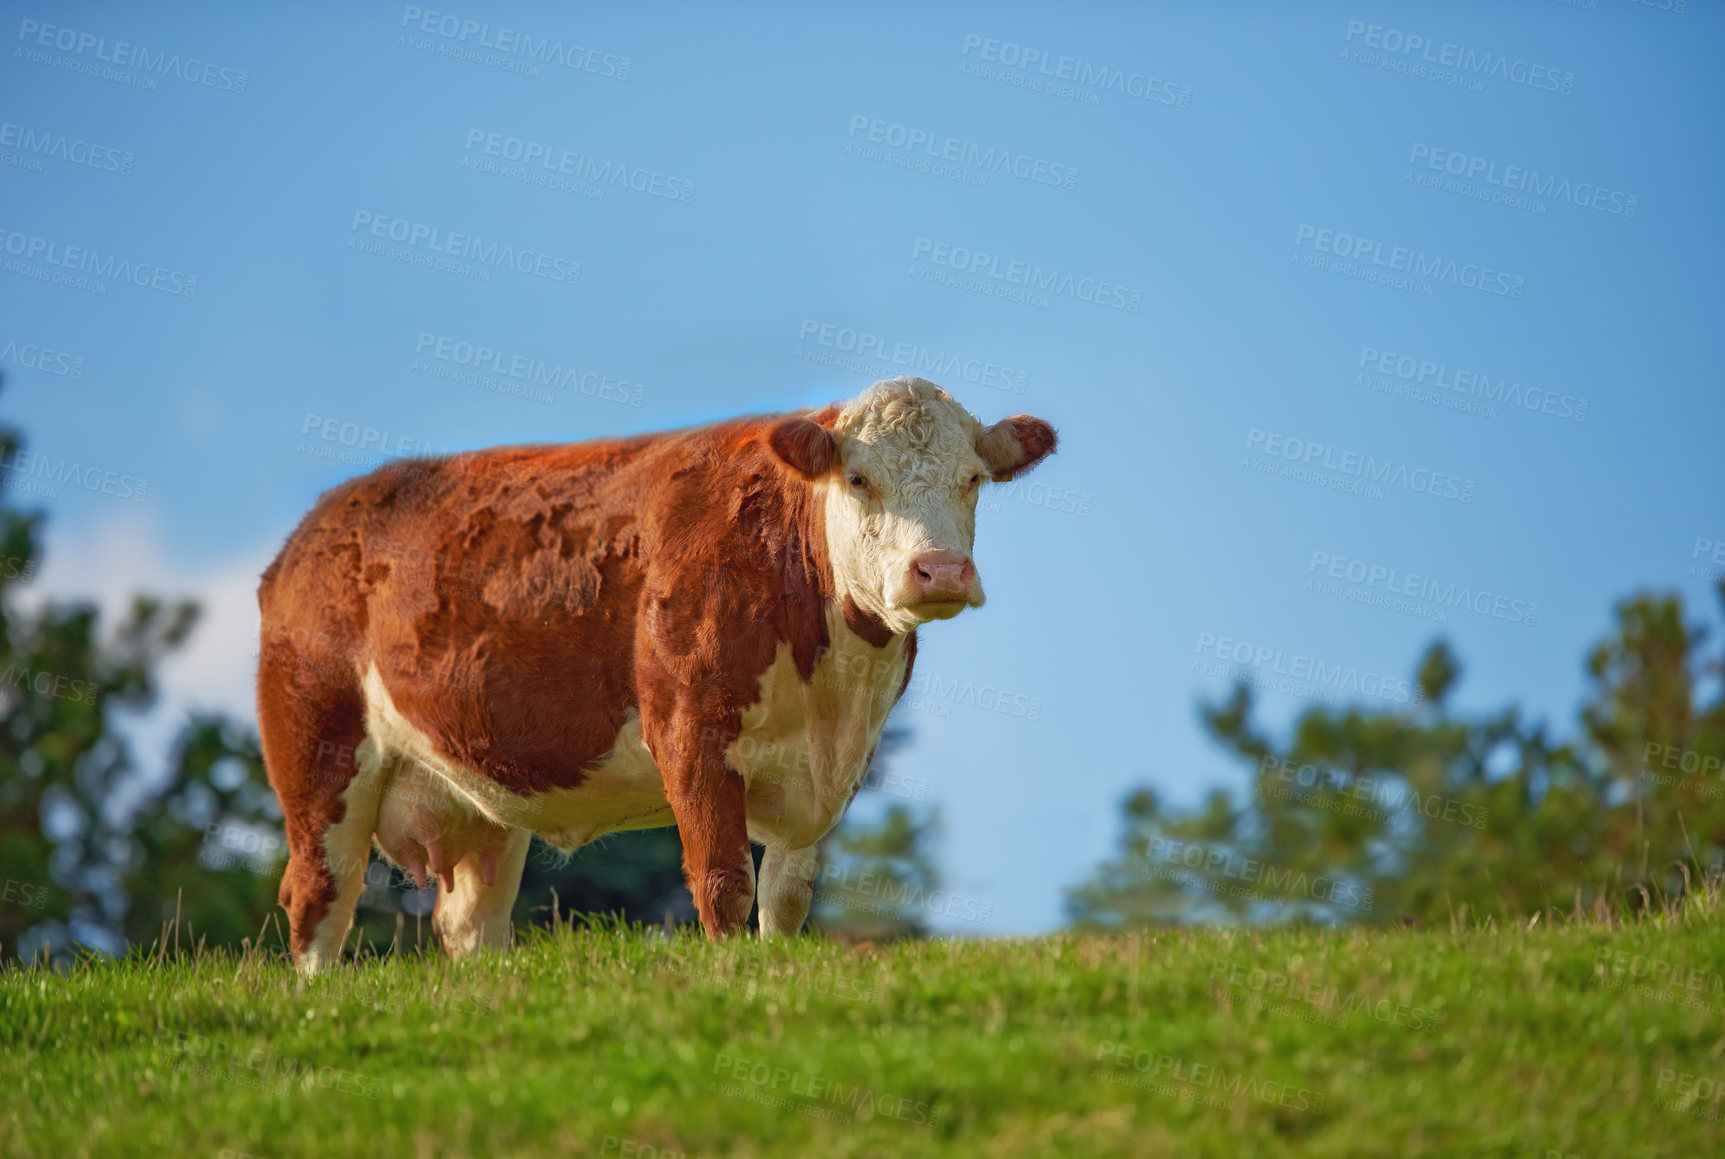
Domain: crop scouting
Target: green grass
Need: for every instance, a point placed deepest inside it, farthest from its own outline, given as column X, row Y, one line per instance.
column 603, row 1041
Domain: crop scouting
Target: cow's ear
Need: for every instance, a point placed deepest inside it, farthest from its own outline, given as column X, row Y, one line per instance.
column 806, row 447
column 1014, row 445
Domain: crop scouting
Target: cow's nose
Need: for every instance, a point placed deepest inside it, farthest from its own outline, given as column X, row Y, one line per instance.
column 941, row 575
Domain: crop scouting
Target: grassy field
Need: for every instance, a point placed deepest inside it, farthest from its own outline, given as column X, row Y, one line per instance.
column 1583, row 1039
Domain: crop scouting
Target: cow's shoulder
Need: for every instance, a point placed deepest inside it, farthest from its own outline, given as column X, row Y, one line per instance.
column 738, row 561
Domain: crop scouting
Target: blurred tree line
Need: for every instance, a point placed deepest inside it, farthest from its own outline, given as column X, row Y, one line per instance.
column 98, row 853
column 94, row 851
column 1365, row 815
column 1420, row 813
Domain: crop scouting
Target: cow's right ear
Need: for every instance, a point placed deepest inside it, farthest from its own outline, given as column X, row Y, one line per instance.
column 805, row 446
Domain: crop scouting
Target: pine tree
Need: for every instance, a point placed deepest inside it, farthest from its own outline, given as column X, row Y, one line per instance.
column 94, row 852
column 1416, row 813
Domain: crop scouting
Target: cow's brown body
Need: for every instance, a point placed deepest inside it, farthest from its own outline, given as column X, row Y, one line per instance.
column 514, row 612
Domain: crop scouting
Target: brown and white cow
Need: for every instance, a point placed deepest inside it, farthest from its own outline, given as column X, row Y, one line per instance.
column 704, row 628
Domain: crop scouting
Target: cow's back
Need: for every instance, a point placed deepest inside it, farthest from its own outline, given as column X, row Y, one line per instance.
column 494, row 593
column 497, row 593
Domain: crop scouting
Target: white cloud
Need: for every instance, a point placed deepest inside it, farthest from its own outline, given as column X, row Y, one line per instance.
column 118, row 558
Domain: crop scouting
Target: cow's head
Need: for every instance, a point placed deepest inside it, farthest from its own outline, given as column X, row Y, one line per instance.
column 900, row 466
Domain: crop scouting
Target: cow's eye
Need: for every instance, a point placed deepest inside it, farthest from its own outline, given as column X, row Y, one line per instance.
column 976, row 478
column 857, row 481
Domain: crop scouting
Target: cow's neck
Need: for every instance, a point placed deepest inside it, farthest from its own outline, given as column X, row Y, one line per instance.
column 867, row 625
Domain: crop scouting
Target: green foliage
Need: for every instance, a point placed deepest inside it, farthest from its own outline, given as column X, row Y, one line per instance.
column 91, row 850
column 179, row 866
column 636, row 876
column 1371, row 815
column 875, row 879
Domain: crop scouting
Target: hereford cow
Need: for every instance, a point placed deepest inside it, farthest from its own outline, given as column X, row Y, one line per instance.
column 704, row 628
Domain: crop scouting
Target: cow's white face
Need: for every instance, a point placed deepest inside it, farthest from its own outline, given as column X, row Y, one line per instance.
column 900, row 477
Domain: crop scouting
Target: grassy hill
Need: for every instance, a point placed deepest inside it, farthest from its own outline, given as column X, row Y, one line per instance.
column 1581, row 1038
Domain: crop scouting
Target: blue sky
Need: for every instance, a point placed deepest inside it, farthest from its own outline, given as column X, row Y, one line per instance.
column 1263, row 141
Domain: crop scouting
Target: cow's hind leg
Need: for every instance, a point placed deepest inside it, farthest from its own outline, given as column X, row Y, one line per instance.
column 475, row 913
column 327, row 777
column 786, row 888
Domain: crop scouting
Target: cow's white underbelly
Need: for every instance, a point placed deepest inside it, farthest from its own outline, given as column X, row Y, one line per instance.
column 802, row 750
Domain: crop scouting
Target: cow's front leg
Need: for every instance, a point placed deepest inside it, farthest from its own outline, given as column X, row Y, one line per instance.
column 787, row 887
column 707, row 798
